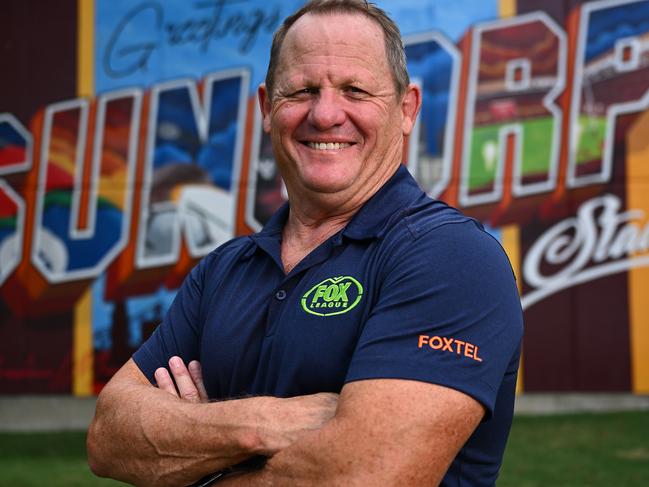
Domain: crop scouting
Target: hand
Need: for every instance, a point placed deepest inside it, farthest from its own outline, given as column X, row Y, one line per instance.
column 286, row 420
column 279, row 421
column 189, row 380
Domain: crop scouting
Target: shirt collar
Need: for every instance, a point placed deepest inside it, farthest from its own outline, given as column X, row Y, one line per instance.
column 390, row 201
column 275, row 225
column 270, row 236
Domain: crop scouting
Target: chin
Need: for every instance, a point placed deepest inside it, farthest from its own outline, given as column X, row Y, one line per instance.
column 327, row 181
column 326, row 186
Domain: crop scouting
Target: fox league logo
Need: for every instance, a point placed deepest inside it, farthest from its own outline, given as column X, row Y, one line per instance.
column 333, row 296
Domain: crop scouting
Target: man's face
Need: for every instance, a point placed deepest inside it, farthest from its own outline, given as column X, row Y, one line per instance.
column 334, row 116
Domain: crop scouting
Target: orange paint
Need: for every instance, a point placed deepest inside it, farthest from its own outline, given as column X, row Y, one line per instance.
column 637, row 176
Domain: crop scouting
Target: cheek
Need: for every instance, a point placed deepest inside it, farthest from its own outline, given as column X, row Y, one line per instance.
column 374, row 121
column 288, row 117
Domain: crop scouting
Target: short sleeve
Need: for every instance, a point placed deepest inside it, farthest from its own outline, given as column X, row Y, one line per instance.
column 179, row 331
column 447, row 312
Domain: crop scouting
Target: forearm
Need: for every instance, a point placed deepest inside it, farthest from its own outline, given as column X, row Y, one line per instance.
column 295, row 467
column 168, row 436
column 145, row 436
column 384, row 433
column 330, row 456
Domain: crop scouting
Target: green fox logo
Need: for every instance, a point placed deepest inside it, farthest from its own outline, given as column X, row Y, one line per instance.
column 333, row 296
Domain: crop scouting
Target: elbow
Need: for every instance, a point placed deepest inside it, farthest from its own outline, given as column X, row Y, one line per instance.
column 99, row 441
column 97, row 467
column 95, row 451
column 109, row 448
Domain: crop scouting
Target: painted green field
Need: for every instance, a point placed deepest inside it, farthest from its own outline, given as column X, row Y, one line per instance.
column 536, row 147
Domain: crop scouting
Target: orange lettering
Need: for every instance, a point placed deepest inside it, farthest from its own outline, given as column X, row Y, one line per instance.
column 475, row 355
column 446, row 345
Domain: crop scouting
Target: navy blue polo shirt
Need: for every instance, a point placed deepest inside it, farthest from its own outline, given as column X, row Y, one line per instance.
column 409, row 289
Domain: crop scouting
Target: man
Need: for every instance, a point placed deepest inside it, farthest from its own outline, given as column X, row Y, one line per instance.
column 361, row 286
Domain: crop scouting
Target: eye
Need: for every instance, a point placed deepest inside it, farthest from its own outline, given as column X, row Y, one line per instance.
column 306, row 91
column 355, row 92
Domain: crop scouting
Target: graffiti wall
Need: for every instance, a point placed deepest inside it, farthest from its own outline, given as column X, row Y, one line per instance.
column 131, row 145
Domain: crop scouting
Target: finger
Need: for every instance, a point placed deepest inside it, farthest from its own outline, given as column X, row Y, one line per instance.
column 196, row 373
column 184, row 383
column 164, row 381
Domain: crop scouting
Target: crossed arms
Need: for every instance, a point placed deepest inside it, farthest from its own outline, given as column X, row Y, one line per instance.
column 377, row 432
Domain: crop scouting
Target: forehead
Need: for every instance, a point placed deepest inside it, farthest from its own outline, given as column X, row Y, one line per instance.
column 349, row 40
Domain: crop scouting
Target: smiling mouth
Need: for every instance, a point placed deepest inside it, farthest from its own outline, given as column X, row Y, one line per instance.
column 324, row 146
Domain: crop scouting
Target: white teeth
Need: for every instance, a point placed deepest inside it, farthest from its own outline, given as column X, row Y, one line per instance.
column 328, row 145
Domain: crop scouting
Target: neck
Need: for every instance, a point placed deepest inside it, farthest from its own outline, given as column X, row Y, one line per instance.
column 313, row 217
column 303, row 233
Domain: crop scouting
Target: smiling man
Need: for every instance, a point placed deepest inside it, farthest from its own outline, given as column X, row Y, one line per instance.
column 368, row 335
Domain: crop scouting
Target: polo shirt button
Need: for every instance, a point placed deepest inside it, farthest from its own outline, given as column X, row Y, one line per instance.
column 280, row 295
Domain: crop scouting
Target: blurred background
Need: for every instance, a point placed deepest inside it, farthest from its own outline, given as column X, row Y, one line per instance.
column 131, row 146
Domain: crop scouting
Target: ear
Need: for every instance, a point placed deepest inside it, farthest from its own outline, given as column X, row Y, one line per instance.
column 264, row 104
column 410, row 105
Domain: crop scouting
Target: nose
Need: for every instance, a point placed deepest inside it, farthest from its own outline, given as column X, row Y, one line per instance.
column 327, row 110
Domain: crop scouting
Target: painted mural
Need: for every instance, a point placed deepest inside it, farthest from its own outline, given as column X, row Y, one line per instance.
column 131, row 146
